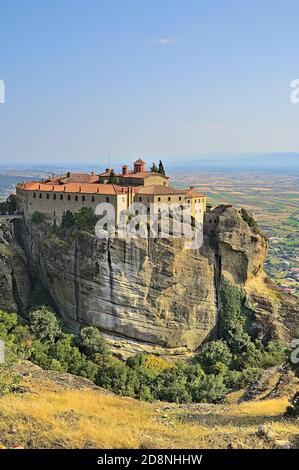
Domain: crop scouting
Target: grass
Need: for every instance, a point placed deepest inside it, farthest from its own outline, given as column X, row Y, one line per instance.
column 55, row 417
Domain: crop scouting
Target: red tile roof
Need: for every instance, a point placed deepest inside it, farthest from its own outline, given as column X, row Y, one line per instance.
column 85, row 188
column 74, row 178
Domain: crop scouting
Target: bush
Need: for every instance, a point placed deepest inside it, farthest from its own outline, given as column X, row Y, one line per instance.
column 215, row 357
column 68, row 220
column 236, row 380
column 209, row 389
column 85, row 219
column 234, row 318
column 172, row 385
column 44, row 324
column 91, row 342
column 263, row 357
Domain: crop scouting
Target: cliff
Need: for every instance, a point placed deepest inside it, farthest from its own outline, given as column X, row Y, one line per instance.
column 14, row 273
column 155, row 292
column 155, row 295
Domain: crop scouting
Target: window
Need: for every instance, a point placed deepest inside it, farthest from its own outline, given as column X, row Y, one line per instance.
column 107, row 199
column 61, row 197
column 195, row 200
column 76, row 198
column 180, row 198
column 54, row 196
column 83, row 198
column 159, row 199
column 69, row 197
column 140, row 199
column 34, row 195
column 93, row 199
column 169, row 199
column 40, row 195
column 48, row 196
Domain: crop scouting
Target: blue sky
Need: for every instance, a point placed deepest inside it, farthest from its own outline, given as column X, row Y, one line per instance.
column 156, row 78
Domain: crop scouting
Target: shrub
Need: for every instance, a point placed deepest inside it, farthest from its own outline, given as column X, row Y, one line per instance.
column 215, row 357
column 234, row 318
column 68, row 220
column 172, row 385
column 85, row 219
column 44, row 324
column 236, row 380
column 91, row 342
column 209, row 389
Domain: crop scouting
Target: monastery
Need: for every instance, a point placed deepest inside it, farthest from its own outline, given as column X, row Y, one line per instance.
column 72, row 191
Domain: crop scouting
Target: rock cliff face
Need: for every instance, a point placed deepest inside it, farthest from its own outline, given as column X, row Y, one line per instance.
column 14, row 273
column 155, row 292
column 155, row 295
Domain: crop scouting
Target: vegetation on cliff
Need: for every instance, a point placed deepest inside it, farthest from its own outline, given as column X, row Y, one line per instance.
column 229, row 363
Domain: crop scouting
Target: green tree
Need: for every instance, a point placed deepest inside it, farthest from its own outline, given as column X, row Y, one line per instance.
column 215, row 357
column 210, row 389
column 154, row 168
column 11, row 203
column 85, row 218
column 113, row 178
column 172, row 385
column 91, row 342
column 68, row 220
column 44, row 324
column 161, row 168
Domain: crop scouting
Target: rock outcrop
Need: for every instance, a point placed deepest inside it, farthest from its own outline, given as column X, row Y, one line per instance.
column 155, row 295
column 14, row 274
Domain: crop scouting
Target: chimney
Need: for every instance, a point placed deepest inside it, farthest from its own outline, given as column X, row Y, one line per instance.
column 125, row 169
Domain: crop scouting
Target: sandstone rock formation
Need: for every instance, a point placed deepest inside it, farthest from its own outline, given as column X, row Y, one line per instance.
column 153, row 295
column 14, row 275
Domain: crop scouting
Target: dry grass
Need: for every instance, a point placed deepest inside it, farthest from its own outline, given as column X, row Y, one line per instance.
column 53, row 417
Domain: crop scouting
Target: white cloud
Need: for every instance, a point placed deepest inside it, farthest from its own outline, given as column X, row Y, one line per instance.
column 167, row 40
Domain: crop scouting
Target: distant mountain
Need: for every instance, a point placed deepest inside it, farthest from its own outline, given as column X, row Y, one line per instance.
column 267, row 161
